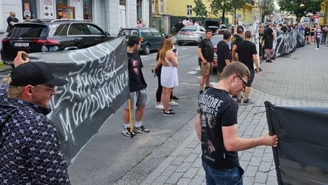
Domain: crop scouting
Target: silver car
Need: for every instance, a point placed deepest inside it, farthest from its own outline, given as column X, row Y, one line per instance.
column 190, row 34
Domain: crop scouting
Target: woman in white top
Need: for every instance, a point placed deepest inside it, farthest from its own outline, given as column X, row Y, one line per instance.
column 274, row 45
column 169, row 75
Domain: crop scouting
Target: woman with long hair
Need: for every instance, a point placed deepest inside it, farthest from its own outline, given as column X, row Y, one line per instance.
column 169, row 75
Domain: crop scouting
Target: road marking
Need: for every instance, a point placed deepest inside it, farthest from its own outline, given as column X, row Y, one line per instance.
column 192, row 72
column 196, row 68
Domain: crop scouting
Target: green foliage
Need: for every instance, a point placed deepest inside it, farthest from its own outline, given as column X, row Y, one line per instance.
column 294, row 6
column 200, row 9
column 225, row 6
column 267, row 7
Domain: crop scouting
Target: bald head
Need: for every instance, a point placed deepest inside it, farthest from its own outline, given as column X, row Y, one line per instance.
column 12, row 13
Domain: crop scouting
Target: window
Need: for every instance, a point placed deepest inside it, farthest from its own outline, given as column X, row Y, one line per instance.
column 94, row 30
column 87, row 9
column 189, row 10
column 139, row 9
column 146, row 33
column 122, row 2
column 59, row 29
column 78, row 29
column 29, row 8
column 155, row 33
column 61, row 2
column 28, row 30
column 162, row 7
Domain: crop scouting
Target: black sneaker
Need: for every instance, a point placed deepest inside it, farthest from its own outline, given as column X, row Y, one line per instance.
column 175, row 98
column 201, row 92
column 170, row 113
column 170, row 109
column 207, row 87
column 269, row 61
column 141, row 129
column 238, row 100
column 127, row 133
column 248, row 101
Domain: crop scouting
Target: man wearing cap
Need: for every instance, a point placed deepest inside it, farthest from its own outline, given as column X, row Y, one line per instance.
column 29, row 145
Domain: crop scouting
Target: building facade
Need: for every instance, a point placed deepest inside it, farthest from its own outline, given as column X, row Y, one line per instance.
column 111, row 15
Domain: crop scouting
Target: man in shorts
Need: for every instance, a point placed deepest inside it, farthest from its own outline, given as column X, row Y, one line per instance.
column 138, row 88
column 205, row 59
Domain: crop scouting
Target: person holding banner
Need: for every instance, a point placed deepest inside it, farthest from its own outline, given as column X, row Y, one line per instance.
column 29, row 145
column 216, row 128
column 138, row 89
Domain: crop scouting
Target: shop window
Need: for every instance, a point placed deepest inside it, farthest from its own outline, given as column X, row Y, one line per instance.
column 65, row 12
column 61, row 2
column 29, row 8
column 122, row 2
column 87, row 9
column 139, row 9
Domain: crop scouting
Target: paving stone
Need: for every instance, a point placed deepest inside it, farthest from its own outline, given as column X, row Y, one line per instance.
column 250, row 171
column 160, row 180
column 170, row 170
column 191, row 158
column 246, row 156
column 248, row 180
column 197, row 180
column 265, row 166
column 258, row 152
column 197, row 163
column 184, row 181
column 183, row 167
column 255, row 161
column 174, row 178
column 272, row 180
column 191, row 172
column 186, row 152
column 261, row 177
column 178, row 161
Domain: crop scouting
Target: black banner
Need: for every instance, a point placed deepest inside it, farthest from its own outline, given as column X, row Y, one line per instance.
column 301, row 157
column 98, row 86
column 288, row 42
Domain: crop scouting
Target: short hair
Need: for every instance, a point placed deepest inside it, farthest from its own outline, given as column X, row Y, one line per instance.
column 240, row 29
column 248, row 34
column 237, row 68
column 133, row 40
column 208, row 30
column 226, row 34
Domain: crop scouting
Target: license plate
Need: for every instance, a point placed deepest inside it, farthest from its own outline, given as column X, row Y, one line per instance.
column 20, row 44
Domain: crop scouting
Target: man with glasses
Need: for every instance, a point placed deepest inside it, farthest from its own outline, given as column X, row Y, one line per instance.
column 29, row 145
column 11, row 20
column 247, row 54
column 216, row 128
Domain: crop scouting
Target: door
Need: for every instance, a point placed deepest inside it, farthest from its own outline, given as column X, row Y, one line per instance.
column 96, row 34
column 78, row 32
column 157, row 38
column 147, row 37
column 122, row 16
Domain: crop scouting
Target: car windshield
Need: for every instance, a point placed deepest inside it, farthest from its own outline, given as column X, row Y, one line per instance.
column 128, row 33
column 28, row 30
column 189, row 29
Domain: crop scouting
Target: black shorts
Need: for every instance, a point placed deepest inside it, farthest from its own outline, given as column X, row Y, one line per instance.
column 250, row 81
column 312, row 33
column 268, row 44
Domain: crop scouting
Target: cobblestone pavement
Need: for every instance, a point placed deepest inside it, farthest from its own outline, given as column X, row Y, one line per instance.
column 296, row 81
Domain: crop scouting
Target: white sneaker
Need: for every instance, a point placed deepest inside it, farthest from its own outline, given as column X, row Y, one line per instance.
column 316, row 48
column 173, row 103
column 159, row 106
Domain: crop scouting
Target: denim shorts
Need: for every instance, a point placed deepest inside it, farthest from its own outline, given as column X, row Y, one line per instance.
column 138, row 99
column 223, row 176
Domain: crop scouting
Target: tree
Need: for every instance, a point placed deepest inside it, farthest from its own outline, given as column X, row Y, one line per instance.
column 267, row 7
column 300, row 7
column 200, row 9
column 226, row 6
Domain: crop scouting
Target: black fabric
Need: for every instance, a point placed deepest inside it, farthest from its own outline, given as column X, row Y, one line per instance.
column 246, row 50
column 223, row 53
column 217, row 109
column 236, row 39
column 178, row 26
column 137, row 80
column 307, row 31
column 301, row 155
column 10, row 19
column 251, row 78
column 34, row 73
column 207, row 50
column 268, row 38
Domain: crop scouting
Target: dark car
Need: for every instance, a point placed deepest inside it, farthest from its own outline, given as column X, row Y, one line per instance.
column 150, row 38
column 50, row 35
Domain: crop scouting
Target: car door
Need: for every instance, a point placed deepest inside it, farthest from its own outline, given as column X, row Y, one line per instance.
column 157, row 38
column 202, row 32
column 147, row 36
column 79, row 31
column 97, row 34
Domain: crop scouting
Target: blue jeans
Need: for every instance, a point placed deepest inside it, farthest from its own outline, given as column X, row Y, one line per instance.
column 223, row 176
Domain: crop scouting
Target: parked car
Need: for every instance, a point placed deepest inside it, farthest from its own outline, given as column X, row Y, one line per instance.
column 190, row 34
column 215, row 40
column 151, row 38
column 215, row 29
column 50, row 35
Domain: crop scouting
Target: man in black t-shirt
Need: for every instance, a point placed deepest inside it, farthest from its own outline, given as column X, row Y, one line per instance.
column 247, row 54
column 236, row 39
column 178, row 26
column 216, row 128
column 206, row 58
column 11, row 20
column 223, row 53
column 138, row 88
column 268, row 42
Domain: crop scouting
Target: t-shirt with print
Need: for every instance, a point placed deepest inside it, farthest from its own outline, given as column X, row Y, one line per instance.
column 207, row 50
column 217, row 109
column 137, row 80
column 246, row 50
column 223, row 53
column 318, row 33
column 236, row 39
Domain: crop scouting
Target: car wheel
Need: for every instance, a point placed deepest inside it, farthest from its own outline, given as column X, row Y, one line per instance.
column 146, row 50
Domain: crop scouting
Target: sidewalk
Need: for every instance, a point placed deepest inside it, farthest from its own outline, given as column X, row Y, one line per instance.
column 290, row 76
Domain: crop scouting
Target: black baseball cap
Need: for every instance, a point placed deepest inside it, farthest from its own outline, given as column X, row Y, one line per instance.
column 240, row 29
column 34, row 73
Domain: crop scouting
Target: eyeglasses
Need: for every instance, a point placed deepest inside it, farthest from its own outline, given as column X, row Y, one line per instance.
column 244, row 83
column 52, row 89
